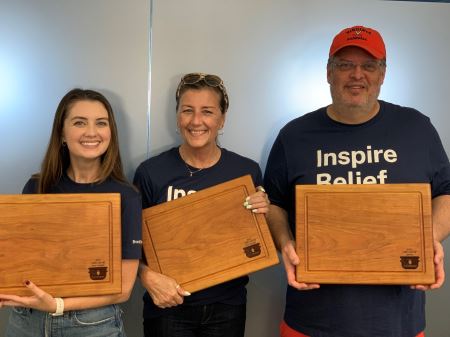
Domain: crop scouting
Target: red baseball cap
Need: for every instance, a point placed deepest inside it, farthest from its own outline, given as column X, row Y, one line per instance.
column 359, row 36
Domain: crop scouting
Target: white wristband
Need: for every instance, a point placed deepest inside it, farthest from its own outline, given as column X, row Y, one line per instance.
column 59, row 307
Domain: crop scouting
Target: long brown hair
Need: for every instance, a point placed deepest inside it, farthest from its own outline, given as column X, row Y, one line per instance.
column 57, row 159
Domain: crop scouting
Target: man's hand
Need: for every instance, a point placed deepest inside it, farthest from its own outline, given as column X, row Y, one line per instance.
column 438, row 269
column 290, row 260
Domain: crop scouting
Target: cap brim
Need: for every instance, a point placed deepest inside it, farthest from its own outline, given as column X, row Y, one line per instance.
column 375, row 53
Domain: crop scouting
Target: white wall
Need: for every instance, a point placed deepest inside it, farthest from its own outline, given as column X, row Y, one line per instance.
column 48, row 47
column 271, row 55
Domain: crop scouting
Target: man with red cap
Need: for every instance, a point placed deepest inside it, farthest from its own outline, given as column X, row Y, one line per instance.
column 317, row 149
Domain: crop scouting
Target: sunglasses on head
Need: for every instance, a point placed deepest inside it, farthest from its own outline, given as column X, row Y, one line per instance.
column 210, row 80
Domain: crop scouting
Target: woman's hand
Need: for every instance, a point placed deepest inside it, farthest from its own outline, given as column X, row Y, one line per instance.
column 164, row 291
column 40, row 300
column 258, row 202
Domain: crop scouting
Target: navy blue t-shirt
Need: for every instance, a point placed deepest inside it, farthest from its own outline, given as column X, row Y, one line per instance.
column 165, row 177
column 130, row 207
column 398, row 145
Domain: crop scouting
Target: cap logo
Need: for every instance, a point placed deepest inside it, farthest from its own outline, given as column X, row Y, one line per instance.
column 358, row 30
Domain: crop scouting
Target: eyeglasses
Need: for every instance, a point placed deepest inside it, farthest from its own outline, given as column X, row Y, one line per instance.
column 210, row 80
column 369, row 66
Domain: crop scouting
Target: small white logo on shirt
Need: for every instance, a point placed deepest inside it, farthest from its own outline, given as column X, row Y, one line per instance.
column 137, row 242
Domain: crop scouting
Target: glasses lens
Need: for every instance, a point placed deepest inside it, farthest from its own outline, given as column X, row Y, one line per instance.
column 344, row 66
column 192, row 78
column 213, row 80
column 370, row 66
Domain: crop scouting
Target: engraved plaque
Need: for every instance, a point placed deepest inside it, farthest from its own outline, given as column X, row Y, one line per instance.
column 67, row 244
column 364, row 234
column 208, row 237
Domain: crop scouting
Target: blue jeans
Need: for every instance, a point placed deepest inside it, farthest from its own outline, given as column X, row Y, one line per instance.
column 211, row 320
column 100, row 322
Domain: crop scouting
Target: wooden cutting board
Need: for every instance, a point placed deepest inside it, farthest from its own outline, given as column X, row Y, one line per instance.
column 208, row 237
column 67, row 244
column 364, row 234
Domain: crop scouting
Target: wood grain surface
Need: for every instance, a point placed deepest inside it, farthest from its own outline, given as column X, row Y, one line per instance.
column 67, row 244
column 364, row 234
column 208, row 237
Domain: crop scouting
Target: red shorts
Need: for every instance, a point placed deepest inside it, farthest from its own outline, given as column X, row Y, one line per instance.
column 286, row 331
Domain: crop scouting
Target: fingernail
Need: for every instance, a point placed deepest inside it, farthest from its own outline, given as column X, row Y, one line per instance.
column 255, row 210
column 247, row 199
column 187, row 293
column 245, row 204
column 248, row 206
